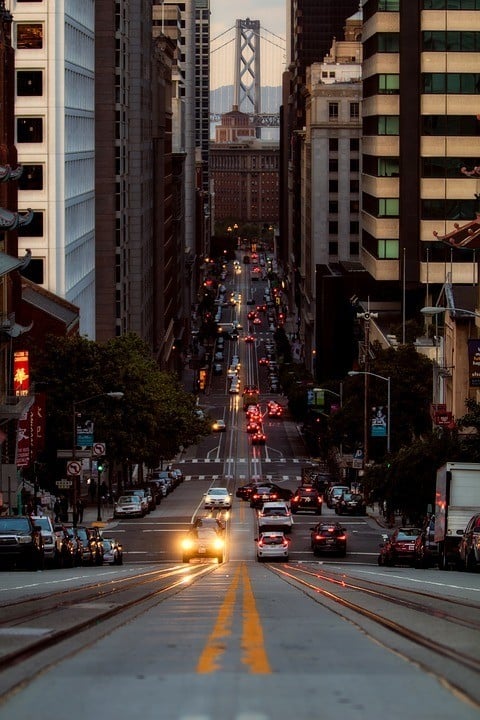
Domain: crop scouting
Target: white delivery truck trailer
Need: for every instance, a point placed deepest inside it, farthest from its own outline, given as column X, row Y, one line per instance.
column 457, row 498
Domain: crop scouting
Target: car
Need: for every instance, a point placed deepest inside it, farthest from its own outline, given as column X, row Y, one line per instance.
column 274, row 409
column 257, row 320
column 49, row 539
column 258, row 437
column 275, row 516
column 427, row 551
column 251, row 314
column 140, row 492
column 66, row 547
column 469, row 548
column 21, row 542
column 215, row 522
column 253, row 426
column 334, row 494
column 203, row 543
column 249, row 338
column 245, row 491
column 328, row 538
column 399, row 547
column 306, row 498
column 234, row 388
column 128, row 506
column 263, row 361
column 165, row 477
column 272, row 546
column 219, row 425
column 235, row 361
column 91, row 551
column 177, row 474
column 112, row 551
column 218, row 356
column 351, row 504
column 262, row 494
column 217, row 369
column 156, row 491
column 232, row 371
column 217, row 497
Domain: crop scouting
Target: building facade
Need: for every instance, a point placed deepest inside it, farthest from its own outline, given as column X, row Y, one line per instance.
column 55, row 138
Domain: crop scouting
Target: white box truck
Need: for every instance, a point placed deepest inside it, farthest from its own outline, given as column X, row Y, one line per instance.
column 457, row 498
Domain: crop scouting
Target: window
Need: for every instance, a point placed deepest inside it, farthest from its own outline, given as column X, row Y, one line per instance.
column 354, row 227
column 34, row 271
column 29, row 82
column 34, row 229
column 333, row 111
column 333, row 144
column 333, row 165
column 354, row 110
column 451, row 4
column 333, row 207
column 354, row 144
column 354, row 206
column 333, row 227
column 388, row 42
column 354, row 165
column 354, row 248
column 29, row 130
column 388, row 207
column 333, row 186
column 387, row 249
column 451, row 83
column 388, row 125
column 354, row 186
column 31, row 178
column 389, row 5
column 29, row 36
column 333, row 248
column 451, row 40
column 388, row 84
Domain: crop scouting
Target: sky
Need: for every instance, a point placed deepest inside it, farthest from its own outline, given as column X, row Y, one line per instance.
column 272, row 16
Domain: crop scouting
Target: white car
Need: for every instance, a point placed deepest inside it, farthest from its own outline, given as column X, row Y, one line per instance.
column 234, row 387
column 217, row 497
column 232, row 371
column 48, row 536
column 128, row 506
column 275, row 516
column 272, row 546
column 219, row 425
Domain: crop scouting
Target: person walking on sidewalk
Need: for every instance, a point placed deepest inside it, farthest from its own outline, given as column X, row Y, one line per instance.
column 80, row 508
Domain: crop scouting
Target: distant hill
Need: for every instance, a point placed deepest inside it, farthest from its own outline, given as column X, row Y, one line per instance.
column 221, row 99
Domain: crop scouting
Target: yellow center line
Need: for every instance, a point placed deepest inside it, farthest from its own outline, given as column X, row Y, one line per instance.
column 254, row 655
column 215, row 647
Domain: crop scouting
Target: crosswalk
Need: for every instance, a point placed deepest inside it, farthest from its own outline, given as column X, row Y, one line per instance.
column 276, row 478
column 221, row 461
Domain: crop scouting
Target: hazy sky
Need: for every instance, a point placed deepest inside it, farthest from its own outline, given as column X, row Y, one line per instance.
column 272, row 16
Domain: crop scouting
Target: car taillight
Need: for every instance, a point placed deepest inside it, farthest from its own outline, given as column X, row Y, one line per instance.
column 296, row 498
column 341, row 537
column 318, row 537
column 285, row 543
column 260, row 543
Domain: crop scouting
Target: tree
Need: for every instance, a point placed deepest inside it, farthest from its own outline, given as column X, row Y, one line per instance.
column 153, row 419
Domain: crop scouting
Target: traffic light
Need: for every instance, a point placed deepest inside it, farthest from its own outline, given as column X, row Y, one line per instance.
column 100, row 465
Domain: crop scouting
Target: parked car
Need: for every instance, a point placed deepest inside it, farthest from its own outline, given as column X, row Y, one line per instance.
column 217, row 498
column 128, row 506
column 112, row 551
column 399, row 547
column 469, row 549
column 217, row 368
column 66, row 547
column 272, row 546
column 219, row 425
column 334, row 493
column 49, row 539
column 307, row 499
column 139, row 492
column 351, row 504
column 156, row 490
column 275, row 516
column 328, row 538
column 91, row 544
column 203, row 543
column 427, row 551
column 21, row 542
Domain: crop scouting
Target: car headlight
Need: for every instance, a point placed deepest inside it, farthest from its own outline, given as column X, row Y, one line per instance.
column 187, row 543
column 218, row 544
column 24, row 539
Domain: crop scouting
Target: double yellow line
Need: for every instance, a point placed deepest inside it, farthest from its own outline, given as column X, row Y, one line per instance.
column 254, row 656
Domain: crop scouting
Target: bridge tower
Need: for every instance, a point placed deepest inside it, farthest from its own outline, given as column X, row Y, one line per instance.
column 246, row 86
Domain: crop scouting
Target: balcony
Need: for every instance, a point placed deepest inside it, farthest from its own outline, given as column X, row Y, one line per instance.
column 12, row 406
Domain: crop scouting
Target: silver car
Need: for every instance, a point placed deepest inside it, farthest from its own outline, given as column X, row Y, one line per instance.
column 218, row 497
column 275, row 516
column 272, row 546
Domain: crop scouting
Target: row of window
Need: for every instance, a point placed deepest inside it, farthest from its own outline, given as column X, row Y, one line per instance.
column 432, row 40
column 333, row 227
column 438, row 209
column 431, row 167
column 333, row 108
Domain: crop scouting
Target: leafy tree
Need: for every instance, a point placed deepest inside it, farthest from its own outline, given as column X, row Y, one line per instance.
column 152, row 420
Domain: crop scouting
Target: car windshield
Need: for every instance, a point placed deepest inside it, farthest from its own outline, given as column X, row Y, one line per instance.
column 82, row 534
column 8, row 525
column 107, row 545
column 281, row 511
column 408, row 533
column 327, row 531
column 128, row 499
column 218, row 491
column 43, row 522
column 272, row 539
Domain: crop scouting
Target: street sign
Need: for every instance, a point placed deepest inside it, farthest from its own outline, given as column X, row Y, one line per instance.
column 64, row 484
column 99, row 449
column 74, row 467
column 78, row 453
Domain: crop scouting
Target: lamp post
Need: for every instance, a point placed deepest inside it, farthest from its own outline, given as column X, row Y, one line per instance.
column 365, row 409
column 115, row 396
column 340, row 397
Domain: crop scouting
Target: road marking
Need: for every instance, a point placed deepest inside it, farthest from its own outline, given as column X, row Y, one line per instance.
column 253, row 648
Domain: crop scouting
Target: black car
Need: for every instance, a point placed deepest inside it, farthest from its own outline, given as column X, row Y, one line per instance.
column 268, row 492
column 469, row 548
column 427, row 551
column 328, row 538
column 90, row 544
column 245, row 491
column 21, row 543
column 351, row 504
column 306, row 498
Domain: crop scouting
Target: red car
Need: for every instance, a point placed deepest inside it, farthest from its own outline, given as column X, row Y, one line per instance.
column 399, row 548
column 264, row 361
column 274, row 410
column 249, row 338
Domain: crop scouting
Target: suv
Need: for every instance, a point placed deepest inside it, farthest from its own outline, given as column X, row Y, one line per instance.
column 275, row 516
column 306, row 498
column 335, row 493
column 203, row 542
column 21, row 542
column 49, row 537
column 469, row 548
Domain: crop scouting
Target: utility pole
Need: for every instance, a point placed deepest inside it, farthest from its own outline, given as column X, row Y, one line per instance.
column 366, row 317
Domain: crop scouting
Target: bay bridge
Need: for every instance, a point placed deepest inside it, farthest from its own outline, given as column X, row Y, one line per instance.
column 246, row 66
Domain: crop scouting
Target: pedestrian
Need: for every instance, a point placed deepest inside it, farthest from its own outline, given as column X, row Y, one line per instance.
column 80, row 510
column 104, row 491
column 57, row 508
column 92, row 489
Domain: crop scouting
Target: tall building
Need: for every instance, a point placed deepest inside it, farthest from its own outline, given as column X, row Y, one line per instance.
column 421, row 128
column 55, row 138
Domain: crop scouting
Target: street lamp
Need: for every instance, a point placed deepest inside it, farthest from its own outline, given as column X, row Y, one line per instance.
column 116, row 396
column 438, row 309
column 365, row 424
